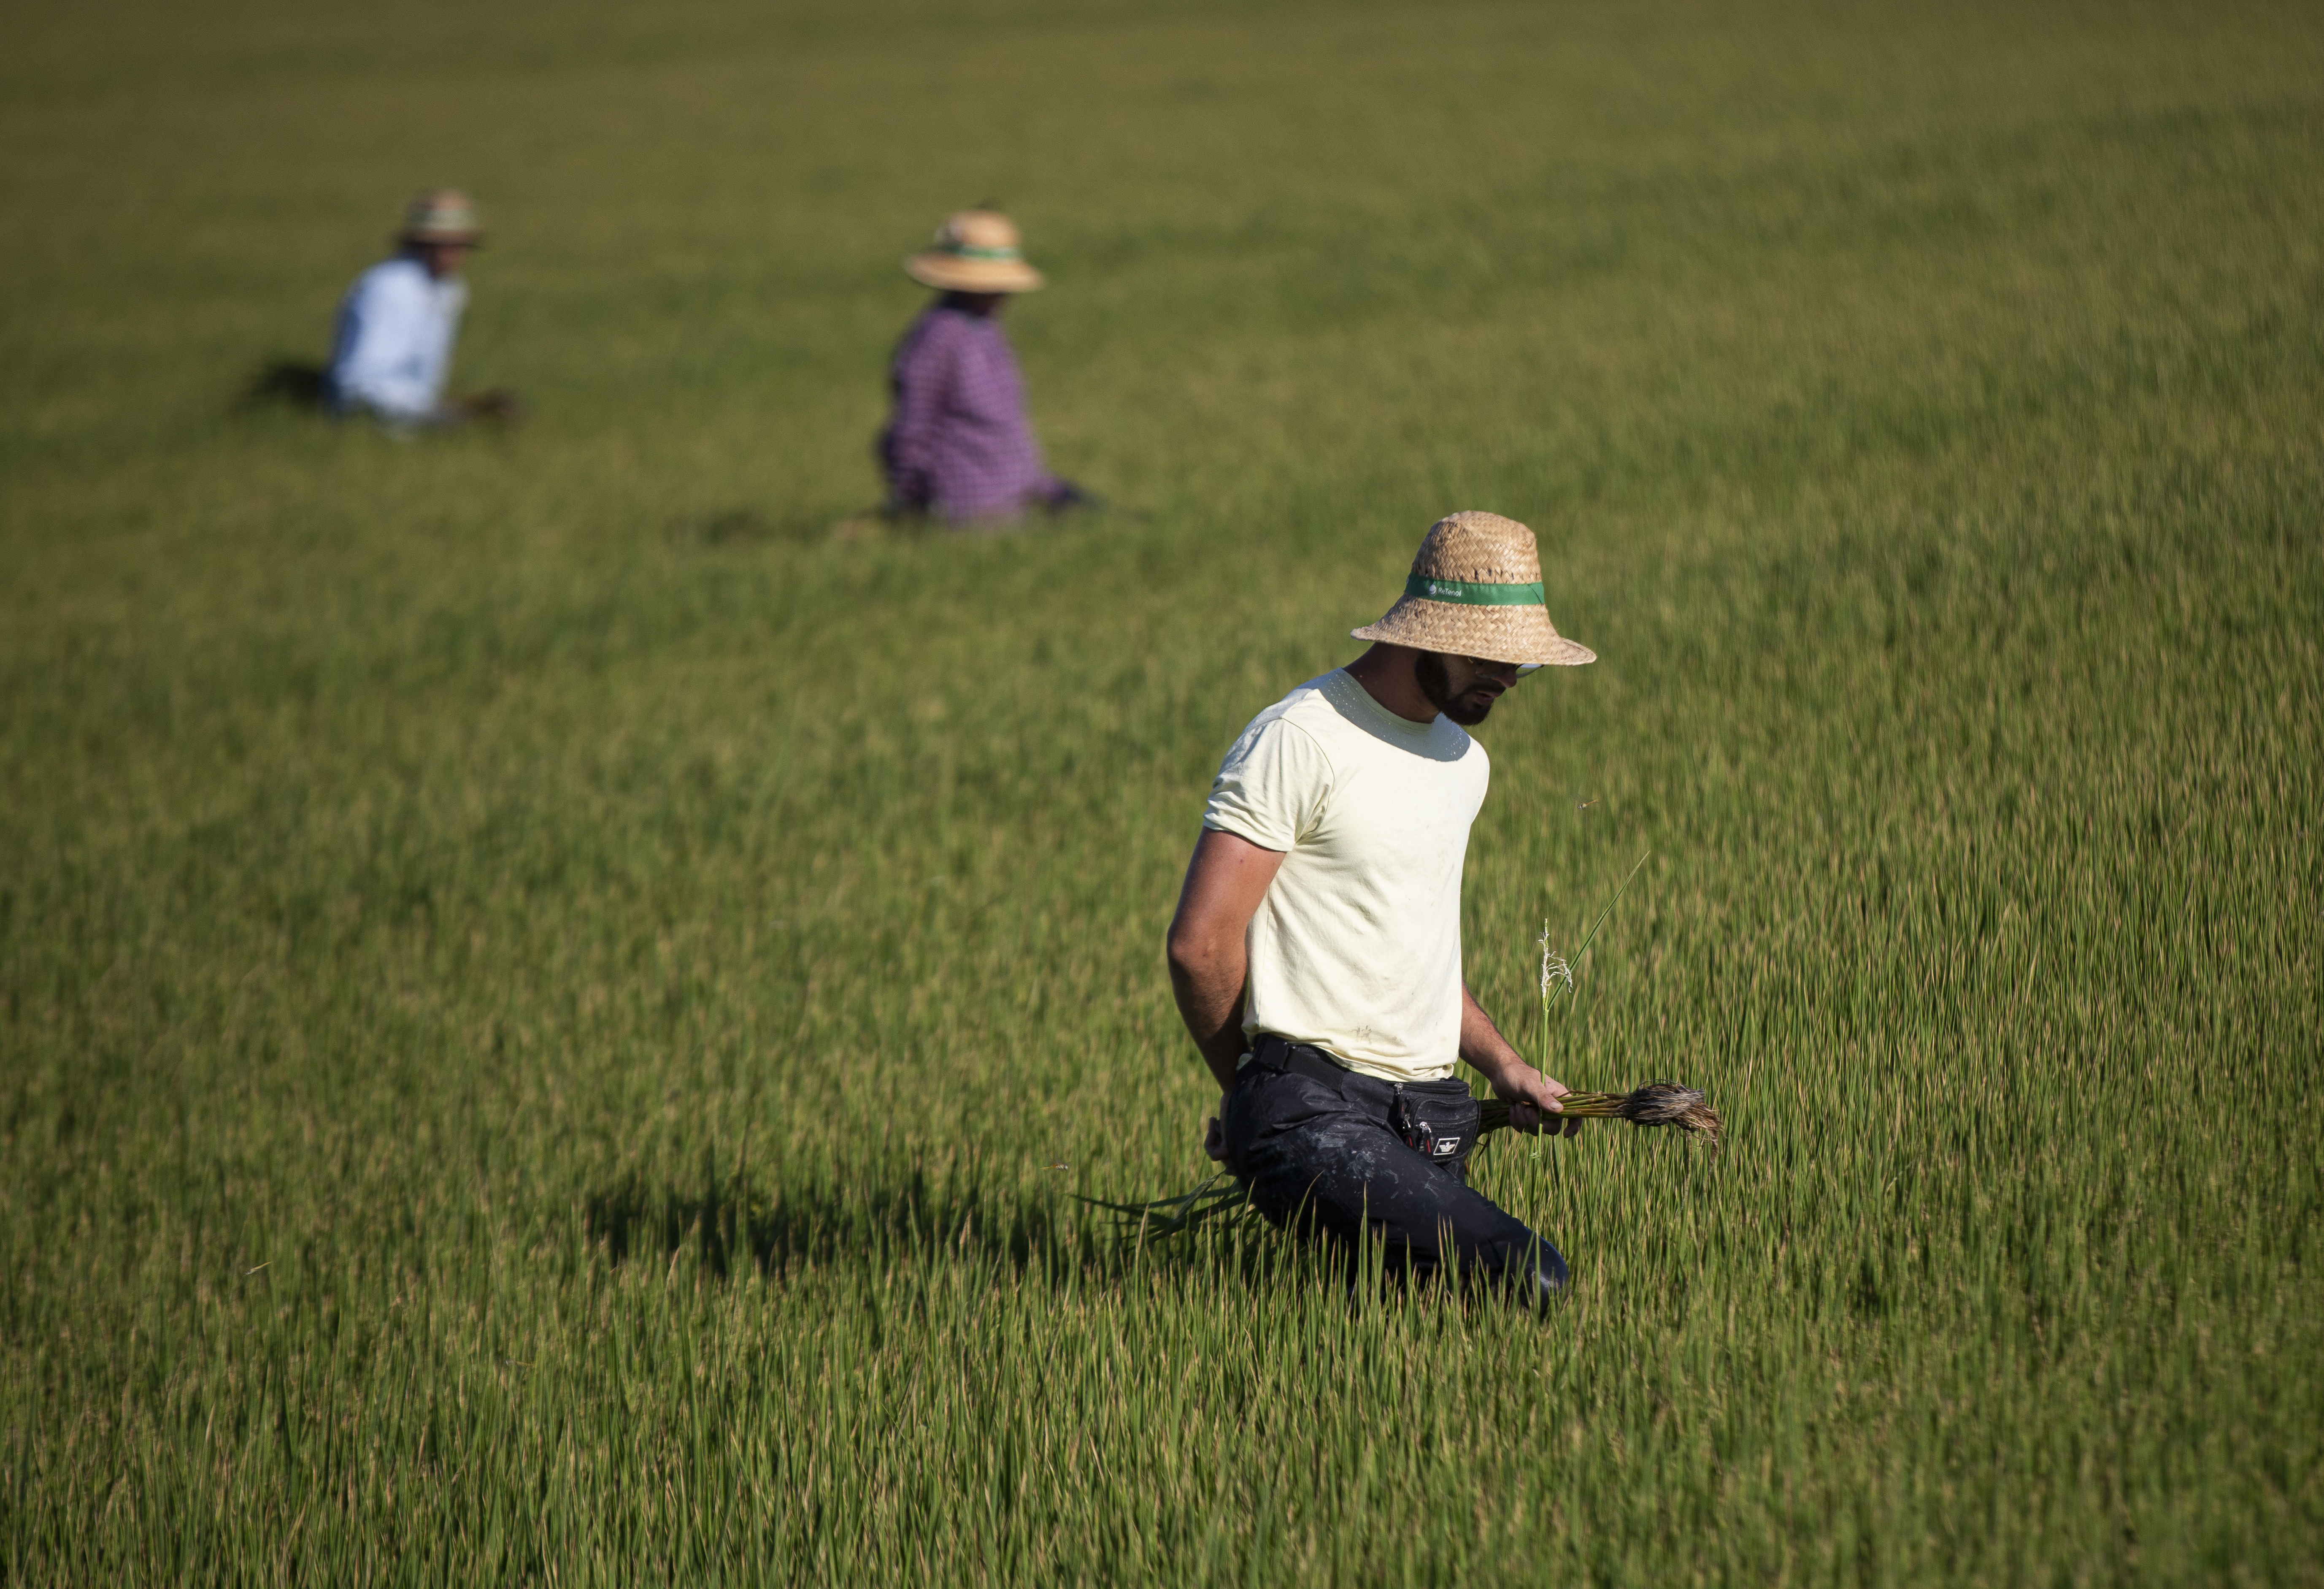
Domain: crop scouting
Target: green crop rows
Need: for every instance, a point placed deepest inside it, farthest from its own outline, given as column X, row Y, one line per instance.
column 550, row 1010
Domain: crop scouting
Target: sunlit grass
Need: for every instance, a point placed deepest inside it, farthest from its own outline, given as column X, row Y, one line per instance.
column 551, row 1015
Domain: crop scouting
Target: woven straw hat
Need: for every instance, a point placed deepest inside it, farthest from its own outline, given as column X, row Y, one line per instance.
column 442, row 215
column 1475, row 591
column 975, row 251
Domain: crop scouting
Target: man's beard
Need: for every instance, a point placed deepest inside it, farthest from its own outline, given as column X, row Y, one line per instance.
column 1469, row 709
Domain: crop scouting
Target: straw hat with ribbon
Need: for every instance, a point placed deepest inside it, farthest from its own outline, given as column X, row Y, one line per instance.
column 1475, row 591
column 975, row 251
column 442, row 215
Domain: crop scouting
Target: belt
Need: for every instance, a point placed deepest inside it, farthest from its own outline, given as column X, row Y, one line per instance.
column 1271, row 1052
column 1458, row 1112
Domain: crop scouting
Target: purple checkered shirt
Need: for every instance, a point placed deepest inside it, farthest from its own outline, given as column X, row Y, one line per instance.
column 959, row 444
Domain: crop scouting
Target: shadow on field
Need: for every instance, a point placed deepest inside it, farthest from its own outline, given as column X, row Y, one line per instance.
column 745, row 526
column 288, row 383
column 748, row 526
column 730, row 1222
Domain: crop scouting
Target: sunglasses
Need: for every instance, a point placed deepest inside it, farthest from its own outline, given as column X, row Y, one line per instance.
column 1487, row 665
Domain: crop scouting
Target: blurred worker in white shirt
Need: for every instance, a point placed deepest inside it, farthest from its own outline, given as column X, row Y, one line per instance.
column 392, row 351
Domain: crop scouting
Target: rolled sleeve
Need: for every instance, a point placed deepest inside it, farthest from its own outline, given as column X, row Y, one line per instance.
column 1271, row 787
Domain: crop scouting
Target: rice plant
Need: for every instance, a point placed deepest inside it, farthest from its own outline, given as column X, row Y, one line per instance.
column 541, row 996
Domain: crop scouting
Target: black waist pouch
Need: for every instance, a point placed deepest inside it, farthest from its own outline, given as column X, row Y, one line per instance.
column 1438, row 1121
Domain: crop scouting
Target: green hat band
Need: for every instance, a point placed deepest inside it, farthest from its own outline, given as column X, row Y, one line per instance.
column 1468, row 594
column 971, row 250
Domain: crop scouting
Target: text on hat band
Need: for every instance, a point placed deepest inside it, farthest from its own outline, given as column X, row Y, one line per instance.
column 1469, row 593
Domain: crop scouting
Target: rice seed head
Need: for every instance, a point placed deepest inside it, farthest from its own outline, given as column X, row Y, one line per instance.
column 1665, row 1103
column 1659, row 1102
column 1554, row 969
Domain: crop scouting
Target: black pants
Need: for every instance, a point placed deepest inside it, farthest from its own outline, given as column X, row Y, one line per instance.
column 1322, row 1152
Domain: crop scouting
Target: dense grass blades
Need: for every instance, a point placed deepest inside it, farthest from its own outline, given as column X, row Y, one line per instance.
column 553, row 1016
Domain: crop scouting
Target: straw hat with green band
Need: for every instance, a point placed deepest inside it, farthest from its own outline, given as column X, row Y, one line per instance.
column 442, row 215
column 975, row 251
column 1475, row 591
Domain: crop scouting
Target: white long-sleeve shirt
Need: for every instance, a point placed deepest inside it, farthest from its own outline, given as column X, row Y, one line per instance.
column 393, row 346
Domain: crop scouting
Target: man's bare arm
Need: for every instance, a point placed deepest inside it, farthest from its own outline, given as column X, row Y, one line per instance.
column 1530, row 1093
column 1208, row 953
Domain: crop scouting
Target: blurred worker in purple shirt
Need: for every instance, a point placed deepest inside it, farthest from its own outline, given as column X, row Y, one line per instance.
column 959, row 446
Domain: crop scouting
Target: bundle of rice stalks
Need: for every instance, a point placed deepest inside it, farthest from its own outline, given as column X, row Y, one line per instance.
column 1658, row 1103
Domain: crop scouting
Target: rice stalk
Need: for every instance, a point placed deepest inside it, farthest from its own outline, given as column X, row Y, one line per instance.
column 1557, row 971
column 1178, row 1216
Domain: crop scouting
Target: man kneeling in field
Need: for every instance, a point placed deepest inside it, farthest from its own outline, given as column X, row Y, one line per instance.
column 1316, row 949
column 392, row 352
column 959, row 446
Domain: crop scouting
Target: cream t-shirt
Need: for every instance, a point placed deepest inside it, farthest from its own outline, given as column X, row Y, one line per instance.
column 1357, row 946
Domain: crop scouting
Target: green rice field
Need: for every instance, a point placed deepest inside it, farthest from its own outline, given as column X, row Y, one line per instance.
column 553, row 1011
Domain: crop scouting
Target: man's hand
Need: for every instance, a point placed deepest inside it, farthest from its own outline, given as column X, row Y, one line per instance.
column 1215, row 1135
column 1532, row 1097
column 1533, row 1101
